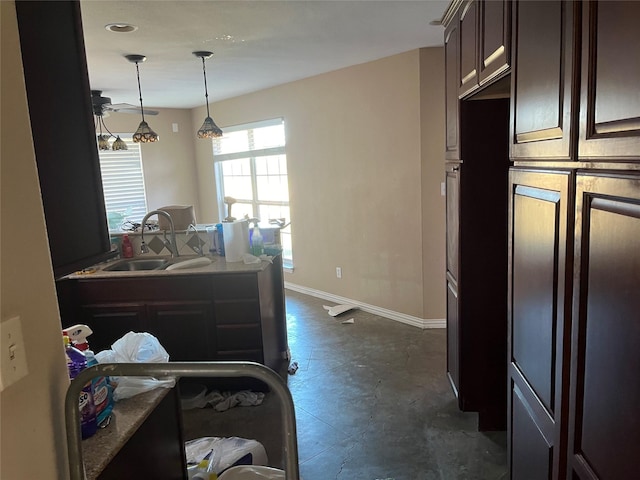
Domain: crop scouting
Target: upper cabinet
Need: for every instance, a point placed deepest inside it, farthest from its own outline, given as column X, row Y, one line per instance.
column 468, row 47
column 64, row 140
column 495, row 39
column 575, row 89
column 484, row 43
column 451, row 52
column 610, row 97
column 543, row 81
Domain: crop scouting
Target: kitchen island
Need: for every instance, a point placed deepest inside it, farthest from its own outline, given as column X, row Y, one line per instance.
column 219, row 312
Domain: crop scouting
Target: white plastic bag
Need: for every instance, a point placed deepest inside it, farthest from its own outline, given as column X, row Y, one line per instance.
column 224, row 453
column 136, row 348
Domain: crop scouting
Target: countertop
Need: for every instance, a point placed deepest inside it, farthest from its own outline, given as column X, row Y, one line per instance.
column 127, row 416
column 218, row 266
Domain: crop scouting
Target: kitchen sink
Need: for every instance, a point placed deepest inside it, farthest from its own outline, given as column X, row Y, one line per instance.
column 136, row 264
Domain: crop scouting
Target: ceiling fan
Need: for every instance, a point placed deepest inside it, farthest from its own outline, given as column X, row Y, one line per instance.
column 102, row 106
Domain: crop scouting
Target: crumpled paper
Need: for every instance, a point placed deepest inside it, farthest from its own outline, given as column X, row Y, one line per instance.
column 248, row 259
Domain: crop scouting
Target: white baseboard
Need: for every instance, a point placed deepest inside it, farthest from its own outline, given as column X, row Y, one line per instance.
column 383, row 312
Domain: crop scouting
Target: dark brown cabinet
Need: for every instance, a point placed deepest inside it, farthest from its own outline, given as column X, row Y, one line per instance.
column 610, row 104
column 469, row 80
column 573, row 229
column 604, row 426
column 543, row 88
column 540, row 246
column 495, row 39
column 63, row 133
column 484, row 50
column 574, row 332
column 203, row 317
column 452, row 60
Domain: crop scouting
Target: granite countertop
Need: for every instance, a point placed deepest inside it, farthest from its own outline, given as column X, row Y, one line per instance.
column 127, row 416
column 218, row 265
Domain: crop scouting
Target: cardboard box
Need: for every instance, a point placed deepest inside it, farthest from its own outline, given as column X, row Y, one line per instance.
column 182, row 216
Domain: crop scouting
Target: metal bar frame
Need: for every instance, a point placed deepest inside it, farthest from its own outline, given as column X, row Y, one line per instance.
column 180, row 369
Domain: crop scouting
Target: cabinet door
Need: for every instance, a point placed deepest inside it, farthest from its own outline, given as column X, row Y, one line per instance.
column 604, row 429
column 110, row 321
column 453, row 252
column 610, row 103
column 453, row 219
column 452, row 59
column 453, row 341
column 60, row 111
column 468, row 47
column 539, row 315
column 542, row 86
column 495, row 36
column 183, row 328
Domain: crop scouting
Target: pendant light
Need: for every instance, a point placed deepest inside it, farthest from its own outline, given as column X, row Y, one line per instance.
column 209, row 129
column 144, row 133
column 103, row 140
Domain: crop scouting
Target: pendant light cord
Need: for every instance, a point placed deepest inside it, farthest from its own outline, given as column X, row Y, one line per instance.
column 140, row 91
column 206, row 94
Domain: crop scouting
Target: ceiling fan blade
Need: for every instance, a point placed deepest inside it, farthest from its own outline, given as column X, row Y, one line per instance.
column 128, row 108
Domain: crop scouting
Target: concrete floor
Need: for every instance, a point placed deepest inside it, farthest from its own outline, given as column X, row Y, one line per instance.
column 372, row 403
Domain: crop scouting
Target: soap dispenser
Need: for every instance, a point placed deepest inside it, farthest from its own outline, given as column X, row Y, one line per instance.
column 257, row 242
column 127, row 247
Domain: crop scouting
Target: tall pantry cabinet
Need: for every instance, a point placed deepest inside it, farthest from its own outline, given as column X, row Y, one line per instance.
column 574, row 252
column 573, row 238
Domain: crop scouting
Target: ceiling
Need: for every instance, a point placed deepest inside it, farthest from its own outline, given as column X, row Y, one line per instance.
column 256, row 44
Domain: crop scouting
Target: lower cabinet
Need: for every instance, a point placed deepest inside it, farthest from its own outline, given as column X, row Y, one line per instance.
column 574, row 325
column 604, row 423
column 205, row 317
column 539, row 315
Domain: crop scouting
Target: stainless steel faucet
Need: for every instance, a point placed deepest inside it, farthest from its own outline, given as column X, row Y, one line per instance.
column 171, row 245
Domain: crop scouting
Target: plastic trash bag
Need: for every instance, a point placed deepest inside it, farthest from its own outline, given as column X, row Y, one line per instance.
column 136, row 348
column 223, row 453
column 250, row 472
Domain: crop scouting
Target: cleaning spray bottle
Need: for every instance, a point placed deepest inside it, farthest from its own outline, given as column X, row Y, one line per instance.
column 100, row 387
column 257, row 242
column 76, row 362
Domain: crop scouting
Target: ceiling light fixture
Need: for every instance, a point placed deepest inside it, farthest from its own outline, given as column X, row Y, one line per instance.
column 103, row 140
column 144, row 133
column 120, row 27
column 209, row 129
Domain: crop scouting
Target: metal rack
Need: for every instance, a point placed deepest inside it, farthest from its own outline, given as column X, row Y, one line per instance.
column 180, row 369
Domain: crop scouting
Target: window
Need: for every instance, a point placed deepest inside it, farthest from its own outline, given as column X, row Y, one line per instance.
column 251, row 166
column 123, row 183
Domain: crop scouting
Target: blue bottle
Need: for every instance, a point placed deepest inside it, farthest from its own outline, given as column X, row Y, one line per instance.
column 76, row 362
column 100, row 387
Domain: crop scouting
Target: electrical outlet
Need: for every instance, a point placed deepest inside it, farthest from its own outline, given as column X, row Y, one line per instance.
column 443, row 189
column 339, row 272
column 13, row 358
column 174, row 127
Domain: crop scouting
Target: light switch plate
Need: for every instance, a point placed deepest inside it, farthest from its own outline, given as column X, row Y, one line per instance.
column 443, row 189
column 13, row 357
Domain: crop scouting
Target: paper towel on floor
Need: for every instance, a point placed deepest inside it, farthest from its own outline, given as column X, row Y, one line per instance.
column 236, row 240
column 226, row 400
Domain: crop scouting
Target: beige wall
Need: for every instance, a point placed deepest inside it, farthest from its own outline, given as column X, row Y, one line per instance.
column 32, row 441
column 364, row 150
column 169, row 164
column 432, row 127
column 357, row 169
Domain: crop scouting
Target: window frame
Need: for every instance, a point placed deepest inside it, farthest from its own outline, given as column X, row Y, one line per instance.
column 251, row 155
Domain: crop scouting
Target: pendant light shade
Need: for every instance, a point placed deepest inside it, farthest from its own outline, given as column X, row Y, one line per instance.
column 144, row 133
column 209, row 129
column 103, row 139
column 119, row 144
